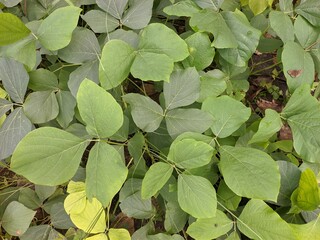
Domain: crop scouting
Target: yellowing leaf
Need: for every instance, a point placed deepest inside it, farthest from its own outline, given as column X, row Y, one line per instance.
column 75, row 202
column 91, row 219
column 118, row 234
column 100, row 236
column 258, row 6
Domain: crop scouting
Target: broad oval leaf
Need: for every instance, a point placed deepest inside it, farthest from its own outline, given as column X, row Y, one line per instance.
column 14, row 78
column 228, row 114
column 310, row 10
column 182, row 9
column 118, row 234
column 99, row 110
column 155, row 178
column 12, row 29
column 84, row 47
column 100, row 22
column 295, row 58
column 43, row 80
column 246, row 36
column 210, row 228
column 284, row 30
column 48, row 156
column 306, row 134
column 189, row 153
column 197, row 196
column 258, row 6
column 152, row 66
column 146, row 113
column 310, row 230
column 17, row 218
column 55, row 31
column 306, row 34
column 100, row 236
column 13, row 129
column 138, row 14
column 106, row 172
column 250, row 172
column 116, row 60
column 179, row 121
column 41, row 106
column 113, row 7
column 257, row 218
column 183, row 88
column 157, row 38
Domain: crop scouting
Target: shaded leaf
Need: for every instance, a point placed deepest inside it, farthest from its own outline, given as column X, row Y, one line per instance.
column 138, row 15
column 42, row 80
column 66, row 104
column 284, row 30
column 14, row 78
column 14, row 128
column 146, row 113
column 310, row 10
column 113, row 7
column 100, row 22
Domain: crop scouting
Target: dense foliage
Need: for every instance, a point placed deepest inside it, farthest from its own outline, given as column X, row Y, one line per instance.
column 156, row 120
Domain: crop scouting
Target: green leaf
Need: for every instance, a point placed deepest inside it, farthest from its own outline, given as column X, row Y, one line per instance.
column 146, row 113
column 306, row 196
column 134, row 206
column 286, row 6
column 59, row 217
column 48, row 156
column 155, row 178
column 213, row 83
column 246, row 36
column 41, row 107
column 306, row 134
column 187, row 120
column 201, row 51
column 5, row 106
column 55, row 31
column 310, row 10
column 269, row 125
column 17, row 218
column 184, row 8
column 259, row 221
column 138, row 14
column 116, row 60
column 306, row 34
column 100, row 22
column 175, row 218
column 189, row 153
column 250, row 172
column 210, row 228
column 39, row 232
column 183, row 88
column 42, row 80
column 118, row 234
column 284, row 30
column 84, row 47
column 310, row 230
column 212, row 4
column 66, row 104
column 14, row 128
column 301, row 101
column 290, row 175
column 152, row 66
column 12, row 29
column 291, row 53
column 14, row 79
column 227, row 197
column 44, row 192
column 157, row 38
column 99, row 110
column 213, row 22
column 113, row 7
column 23, row 51
column 258, row 6
column 106, row 173
column 197, row 196
column 228, row 114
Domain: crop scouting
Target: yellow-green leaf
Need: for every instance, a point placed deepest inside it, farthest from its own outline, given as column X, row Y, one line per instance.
column 12, row 29
column 118, row 234
column 258, row 6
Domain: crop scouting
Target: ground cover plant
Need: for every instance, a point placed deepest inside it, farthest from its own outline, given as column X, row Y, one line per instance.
column 156, row 120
